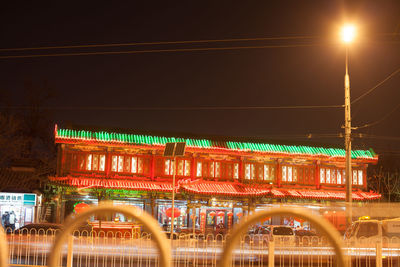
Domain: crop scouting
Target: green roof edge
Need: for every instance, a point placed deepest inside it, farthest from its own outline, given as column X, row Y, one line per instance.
column 205, row 143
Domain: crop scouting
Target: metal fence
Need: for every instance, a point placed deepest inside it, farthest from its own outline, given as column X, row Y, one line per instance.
column 117, row 249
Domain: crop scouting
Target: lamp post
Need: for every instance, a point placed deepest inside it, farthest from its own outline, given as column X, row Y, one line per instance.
column 348, row 33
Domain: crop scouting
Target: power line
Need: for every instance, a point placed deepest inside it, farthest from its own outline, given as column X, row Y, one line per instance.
column 172, row 108
column 156, row 51
column 376, row 86
column 380, row 120
column 370, row 136
column 159, row 43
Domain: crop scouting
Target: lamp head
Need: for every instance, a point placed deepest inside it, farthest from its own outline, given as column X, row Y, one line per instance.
column 348, row 33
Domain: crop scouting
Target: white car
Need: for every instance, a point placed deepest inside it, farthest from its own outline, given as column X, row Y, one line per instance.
column 283, row 235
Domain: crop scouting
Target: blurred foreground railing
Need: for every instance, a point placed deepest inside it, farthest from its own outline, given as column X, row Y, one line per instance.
column 89, row 248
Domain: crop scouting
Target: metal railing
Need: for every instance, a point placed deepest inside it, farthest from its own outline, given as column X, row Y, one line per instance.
column 152, row 248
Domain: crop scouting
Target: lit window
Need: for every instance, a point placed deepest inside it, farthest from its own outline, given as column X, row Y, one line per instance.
column 140, row 165
column 284, row 179
column 360, row 177
column 236, row 171
column 169, row 167
column 290, row 174
column 217, row 169
column 343, row 177
column 134, row 165
column 95, row 162
column 247, row 171
column 114, row 163
column 328, row 176
column 127, row 164
column 183, row 168
column 180, row 167
column 354, row 177
column 198, row 170
column 250, row 171
column 322, row 175
column 212, row 173
column 294, row 174
column 339, row 176
column 120, row 163
column 102, row 166
column 187, row 167
column 89, row 162
column 266, row 172
column 333, row 176
column 81, row 160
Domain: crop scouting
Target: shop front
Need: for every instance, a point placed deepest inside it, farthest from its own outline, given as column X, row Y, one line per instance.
column 22, row 205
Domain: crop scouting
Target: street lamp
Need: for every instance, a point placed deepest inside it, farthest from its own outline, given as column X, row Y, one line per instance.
column 348, row 33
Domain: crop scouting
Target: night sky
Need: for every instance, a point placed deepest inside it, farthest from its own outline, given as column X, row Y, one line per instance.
column 310, row 72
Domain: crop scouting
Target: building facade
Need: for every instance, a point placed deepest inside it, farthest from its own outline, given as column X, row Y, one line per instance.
column 216, row 181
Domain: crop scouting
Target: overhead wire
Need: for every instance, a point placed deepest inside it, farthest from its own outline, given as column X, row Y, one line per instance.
column 158, row 43
column 156, row 51
column 380, row 120
column 173, row 108
column 377, row 85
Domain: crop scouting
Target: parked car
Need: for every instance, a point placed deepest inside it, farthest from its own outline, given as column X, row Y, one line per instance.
column 283, row 235
column 39, row 228
column 367, row 231
column 306, row 237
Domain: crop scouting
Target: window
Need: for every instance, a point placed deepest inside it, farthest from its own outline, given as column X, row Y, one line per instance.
column 266, row 174
column 354, row 177
column 114, row 163
column 198, row 169
column 127, row 164
column 120, row 163
column 333, row 176
column 339, row 176
column 183, row 167
column 360, row 177
column 328, row 176
column 95, row 162
column 134, row 164
column 290, row 174
column 322, row 175
column 284, row 175
column 230, row 170
column 169, row 167
column 249, row 171
column 236, row 171
column 87, row 162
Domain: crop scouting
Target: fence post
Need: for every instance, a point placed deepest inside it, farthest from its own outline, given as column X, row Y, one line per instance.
column 70, row 252
column 378, row 254
column 271, row 256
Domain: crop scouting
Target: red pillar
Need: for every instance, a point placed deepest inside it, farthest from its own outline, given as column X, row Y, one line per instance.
column 108, row 163
column 278, row 173
column 365, row 177
column 152, row 166
column 317, row 174
column 241, row 168
column 193, row 168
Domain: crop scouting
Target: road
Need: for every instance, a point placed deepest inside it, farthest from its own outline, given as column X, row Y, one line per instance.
column 138, row 252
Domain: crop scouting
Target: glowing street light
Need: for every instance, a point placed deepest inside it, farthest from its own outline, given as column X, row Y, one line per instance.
column 348, row 34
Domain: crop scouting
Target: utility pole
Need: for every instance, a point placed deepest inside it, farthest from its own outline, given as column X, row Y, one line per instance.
column 347, row 114
column 348, row 34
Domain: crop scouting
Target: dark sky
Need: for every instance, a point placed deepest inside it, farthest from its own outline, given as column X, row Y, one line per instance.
column 282, row 76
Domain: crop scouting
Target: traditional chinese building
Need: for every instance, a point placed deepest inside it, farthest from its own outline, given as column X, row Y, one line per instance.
column 216, row 181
